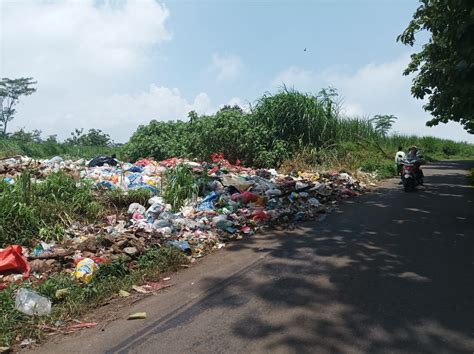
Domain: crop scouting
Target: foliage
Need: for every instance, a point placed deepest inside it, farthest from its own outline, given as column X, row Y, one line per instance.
column 24, row 136
column 284, row 127
column 383, row 123
column 10, row 92
column 30, row 210
column 277, row 127
column 94, row 137
column 181, row 187
column 445, row 65
column 111, row 278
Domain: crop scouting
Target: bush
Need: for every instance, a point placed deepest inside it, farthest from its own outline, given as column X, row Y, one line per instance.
column 383, row 168
column 277, row 128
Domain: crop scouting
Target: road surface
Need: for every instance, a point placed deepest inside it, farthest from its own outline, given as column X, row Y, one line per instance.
column 386, row 272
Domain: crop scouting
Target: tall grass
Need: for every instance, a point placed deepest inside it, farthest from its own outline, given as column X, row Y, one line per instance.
column 32, row 211
column 181, row 187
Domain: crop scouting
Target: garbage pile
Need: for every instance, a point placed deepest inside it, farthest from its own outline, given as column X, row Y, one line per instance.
column 14, row 166
column 236, row 202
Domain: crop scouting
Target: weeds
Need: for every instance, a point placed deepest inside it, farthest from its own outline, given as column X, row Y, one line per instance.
column 31, row 210
column 108, row 281
column 181, row 187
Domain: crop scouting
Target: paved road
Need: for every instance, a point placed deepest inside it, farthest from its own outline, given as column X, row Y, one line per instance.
column 387, row 272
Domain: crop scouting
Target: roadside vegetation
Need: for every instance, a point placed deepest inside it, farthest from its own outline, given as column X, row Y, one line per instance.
column 287, row 128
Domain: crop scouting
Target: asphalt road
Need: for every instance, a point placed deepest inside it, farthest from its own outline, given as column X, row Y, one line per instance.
column 386, row 272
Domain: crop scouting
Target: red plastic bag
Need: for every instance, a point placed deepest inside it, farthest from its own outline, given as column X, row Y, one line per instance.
column 245, row 197
column 261, row 215
column 12, row 260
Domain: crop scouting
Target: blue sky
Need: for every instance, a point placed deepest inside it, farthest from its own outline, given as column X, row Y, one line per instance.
column 116, row 64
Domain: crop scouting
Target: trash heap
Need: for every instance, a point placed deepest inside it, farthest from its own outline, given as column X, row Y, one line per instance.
column 12, row 167
column 236, row 202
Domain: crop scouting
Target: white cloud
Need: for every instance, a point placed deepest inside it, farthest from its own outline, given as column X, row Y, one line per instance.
column 226, row 67
column 374, row 89
column 46, row 39
column 83, row 53
column 129, row 111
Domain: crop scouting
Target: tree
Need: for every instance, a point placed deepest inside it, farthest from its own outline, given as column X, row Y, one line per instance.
column 383, row 123
column 27, row 137
column 94, row 137
column 228, row 107
column 445, row 65
column 10, row 92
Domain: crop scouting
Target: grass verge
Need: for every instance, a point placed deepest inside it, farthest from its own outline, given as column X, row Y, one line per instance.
column 80, row 298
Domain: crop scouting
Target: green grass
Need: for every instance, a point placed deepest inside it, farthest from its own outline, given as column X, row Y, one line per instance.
column 82, row 297
column 31, row 211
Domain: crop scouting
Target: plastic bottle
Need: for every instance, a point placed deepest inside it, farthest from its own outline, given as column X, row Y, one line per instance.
column 31, row 303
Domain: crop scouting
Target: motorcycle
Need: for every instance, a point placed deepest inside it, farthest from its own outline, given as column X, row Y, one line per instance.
column 411, row 175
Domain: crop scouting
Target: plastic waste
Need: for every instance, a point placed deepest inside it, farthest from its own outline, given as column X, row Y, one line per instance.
column 238, row 182
column 208, row 202
column 12, row 260
column 182, row 245
column 102, row 160
column 271, row 193
column 221, row 222
column 31, row 303
column 245, row 197
column 43, row 248
column 136, row 208
column 314, row 202
column 154, row 211
column 158, row 224
column 56, row 160
column 85, row 270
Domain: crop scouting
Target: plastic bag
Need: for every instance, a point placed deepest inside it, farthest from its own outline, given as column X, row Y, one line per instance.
column 208, row 202
column 12, row 260
column 31, row 303
column 85, row 270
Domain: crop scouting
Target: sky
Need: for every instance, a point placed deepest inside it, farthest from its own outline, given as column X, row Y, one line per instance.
column 117, row 64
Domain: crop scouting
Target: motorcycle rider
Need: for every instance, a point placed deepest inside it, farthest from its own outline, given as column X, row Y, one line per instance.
column 414, row 155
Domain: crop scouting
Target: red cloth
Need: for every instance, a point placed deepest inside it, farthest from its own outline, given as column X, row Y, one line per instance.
column 12, row 260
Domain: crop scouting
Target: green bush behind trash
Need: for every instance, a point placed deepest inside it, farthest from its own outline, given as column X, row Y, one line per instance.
column 281, row 127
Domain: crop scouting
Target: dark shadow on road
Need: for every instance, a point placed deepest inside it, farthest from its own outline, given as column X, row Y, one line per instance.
column 392, row 274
